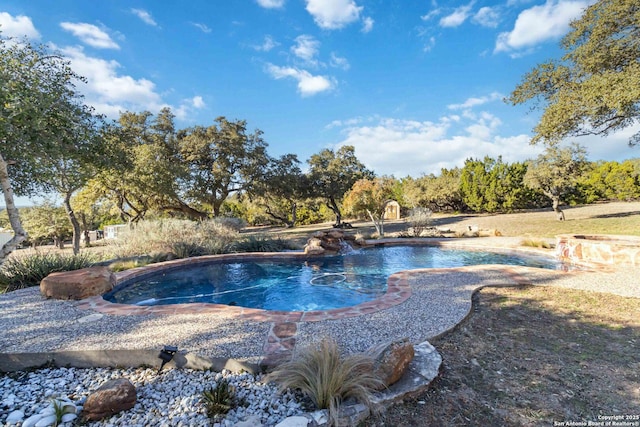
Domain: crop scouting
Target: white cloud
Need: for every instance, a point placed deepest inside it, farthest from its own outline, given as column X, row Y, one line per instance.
column 19, row 26
column 202, row 27
column 145, row 16
column 306, row 48
column 198, row 102
column 106, row 90
column 541, row 23
column 333, row 14
column 404, row 147
column 367, row 24
column 271, row 4
column 474, row 102
column 339, row 62
column 308, row 84
column 458, row 16
column 186, row 107
column 90, row 34
column 431, row 15
column 430, row 44
column 487, row 17
column 268, row 44
column 612, row 147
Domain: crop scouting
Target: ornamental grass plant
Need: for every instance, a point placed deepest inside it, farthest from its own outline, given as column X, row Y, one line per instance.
column 176, row 238
column 327, row 377
column 25, row 271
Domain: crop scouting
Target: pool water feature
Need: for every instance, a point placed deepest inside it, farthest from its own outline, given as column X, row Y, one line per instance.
column 301, row 284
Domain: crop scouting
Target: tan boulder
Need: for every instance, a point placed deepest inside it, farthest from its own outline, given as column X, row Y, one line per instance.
column 78, row 284
column 335, row 234
column 391, row 360
column 314, row 250
column 112, row 397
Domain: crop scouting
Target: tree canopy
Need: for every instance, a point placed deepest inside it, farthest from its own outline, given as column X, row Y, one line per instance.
column 371, row 197
column 44, row 126
column 556, row 172
column 332, row 173
column 595, row 87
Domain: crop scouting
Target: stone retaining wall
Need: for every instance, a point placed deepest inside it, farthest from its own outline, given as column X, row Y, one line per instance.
column 599, row 249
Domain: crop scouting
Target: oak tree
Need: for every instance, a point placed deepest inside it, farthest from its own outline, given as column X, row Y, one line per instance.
column 595, row 87
column 332, row 173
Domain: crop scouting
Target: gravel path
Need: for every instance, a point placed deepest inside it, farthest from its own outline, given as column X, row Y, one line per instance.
column 441, row 299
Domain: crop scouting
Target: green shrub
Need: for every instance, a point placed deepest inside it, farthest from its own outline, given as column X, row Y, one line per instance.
column 218, row 400
column 328, row 378
column 24, row 271
column 261, row 243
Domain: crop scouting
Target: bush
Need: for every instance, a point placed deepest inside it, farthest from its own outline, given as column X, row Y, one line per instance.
column 419, row 220
column 181, row 238
column 261, row 243
column 327, row 378
column 29, row 270
column 232, row 223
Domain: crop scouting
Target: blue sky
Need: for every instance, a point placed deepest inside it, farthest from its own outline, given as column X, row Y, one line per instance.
column 414, row 85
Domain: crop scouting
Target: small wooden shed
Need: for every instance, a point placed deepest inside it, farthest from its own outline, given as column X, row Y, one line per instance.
column 392, row 210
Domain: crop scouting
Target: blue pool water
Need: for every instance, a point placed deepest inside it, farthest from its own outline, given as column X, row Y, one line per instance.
column 301, row 285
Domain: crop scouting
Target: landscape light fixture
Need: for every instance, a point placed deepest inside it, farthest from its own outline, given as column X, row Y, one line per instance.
column 166, row 354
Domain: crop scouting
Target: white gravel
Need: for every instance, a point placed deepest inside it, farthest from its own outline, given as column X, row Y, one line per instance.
column 169, row 398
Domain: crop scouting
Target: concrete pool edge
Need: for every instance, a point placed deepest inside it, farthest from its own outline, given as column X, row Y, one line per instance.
column 398, row 290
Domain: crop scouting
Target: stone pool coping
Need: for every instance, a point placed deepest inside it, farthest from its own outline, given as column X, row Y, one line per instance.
column 398, row 290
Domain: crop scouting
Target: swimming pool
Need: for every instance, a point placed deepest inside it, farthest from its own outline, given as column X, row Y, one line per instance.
column 309, row 284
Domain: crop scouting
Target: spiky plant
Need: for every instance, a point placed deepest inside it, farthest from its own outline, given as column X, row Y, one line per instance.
column 327, row 377
column 218, row 400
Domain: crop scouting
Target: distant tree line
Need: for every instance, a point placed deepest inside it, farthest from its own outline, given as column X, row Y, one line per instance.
column 142, row 167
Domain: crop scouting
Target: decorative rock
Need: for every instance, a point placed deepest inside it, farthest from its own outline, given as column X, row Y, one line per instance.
column 314, row 250
column 391, row 360
column 68, row 417
column 78, row 284
column 253, row 421
column 32, row 420
column 422, row 370
column 112, row 397
column 46, row 421
column 332, row 241
column 297, row 421
column 15, row 417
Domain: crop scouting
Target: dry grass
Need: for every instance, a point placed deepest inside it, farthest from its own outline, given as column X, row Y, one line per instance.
column 607, row 218
column 622, row 218
column 181, row 238
column 533, row 356
column 327, row 377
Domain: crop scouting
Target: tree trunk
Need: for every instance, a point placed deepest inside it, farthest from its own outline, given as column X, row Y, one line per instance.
column 275, row 216
column 556, row 208
column 19, row 235
column 294, row 214
column 336, row 210
column 74, row 223
column 85, row 230
column 378, row 224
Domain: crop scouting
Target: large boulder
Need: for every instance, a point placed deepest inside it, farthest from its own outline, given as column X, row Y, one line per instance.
column 78, row 284
column 391, row 360
column 112, row 397
column 330, row 242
